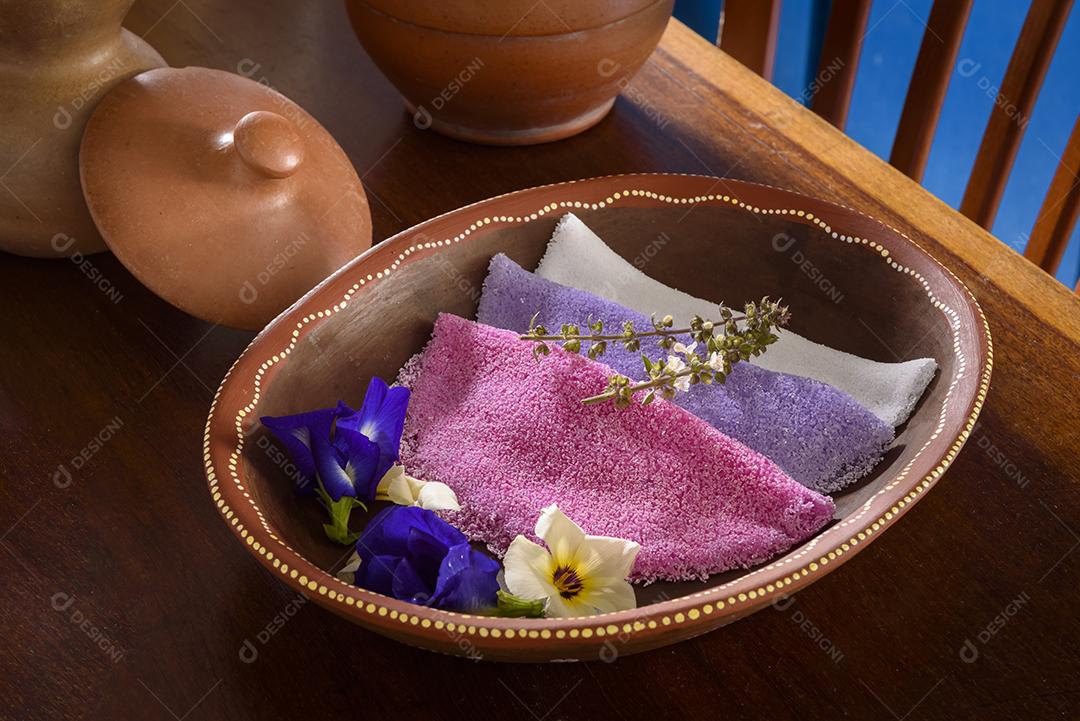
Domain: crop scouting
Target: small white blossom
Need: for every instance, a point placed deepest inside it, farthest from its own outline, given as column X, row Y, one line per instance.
column 674, row 364
column 404, row 490
column 685, row 350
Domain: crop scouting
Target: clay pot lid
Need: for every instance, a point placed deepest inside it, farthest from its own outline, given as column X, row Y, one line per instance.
column 220, row 194
column 508, row 18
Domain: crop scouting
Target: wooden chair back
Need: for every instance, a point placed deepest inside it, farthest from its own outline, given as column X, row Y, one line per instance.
column 748, row 33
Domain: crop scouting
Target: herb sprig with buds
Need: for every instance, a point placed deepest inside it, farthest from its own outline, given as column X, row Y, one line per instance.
column 727, row 341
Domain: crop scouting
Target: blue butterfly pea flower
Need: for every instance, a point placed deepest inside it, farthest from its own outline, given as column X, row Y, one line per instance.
column 341, row 454
column 411, row 554
column 380, row 419
column 300, row 433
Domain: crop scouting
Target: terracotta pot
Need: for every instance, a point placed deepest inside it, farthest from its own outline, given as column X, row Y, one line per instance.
column 509, row 17
column 372, row 315
column 57, row 59
column 510, row 73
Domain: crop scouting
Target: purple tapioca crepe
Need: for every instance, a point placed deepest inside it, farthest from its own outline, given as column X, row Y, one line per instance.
column 819, row 435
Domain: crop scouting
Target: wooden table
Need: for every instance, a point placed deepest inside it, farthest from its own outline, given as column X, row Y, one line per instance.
column 125, row 596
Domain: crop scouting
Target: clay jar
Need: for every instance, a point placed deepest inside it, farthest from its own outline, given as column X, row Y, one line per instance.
column 57, row 59
column 509, row 72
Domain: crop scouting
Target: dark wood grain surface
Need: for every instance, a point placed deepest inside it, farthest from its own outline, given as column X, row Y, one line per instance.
column 125, row 596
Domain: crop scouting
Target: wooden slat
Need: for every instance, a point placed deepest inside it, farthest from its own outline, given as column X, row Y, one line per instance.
column 929, row 83
column 1059, row 211
column 840, row 50
column 1012, row 108
column 748, row 33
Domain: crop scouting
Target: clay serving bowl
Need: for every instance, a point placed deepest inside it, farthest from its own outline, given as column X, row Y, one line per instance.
column 511, row 72
column 373, row 314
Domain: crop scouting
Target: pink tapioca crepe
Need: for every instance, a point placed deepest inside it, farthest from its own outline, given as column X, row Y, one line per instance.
column 510, row 435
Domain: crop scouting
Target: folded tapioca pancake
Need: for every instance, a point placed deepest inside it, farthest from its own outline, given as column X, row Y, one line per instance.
column 510, row 435
column 819, row 435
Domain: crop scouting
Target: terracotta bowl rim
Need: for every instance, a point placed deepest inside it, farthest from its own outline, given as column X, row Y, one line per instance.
column 513, row 38
column 647, row 626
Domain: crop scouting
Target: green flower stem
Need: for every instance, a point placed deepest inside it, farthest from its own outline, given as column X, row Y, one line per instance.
column 660, row 382
column 621, row 336
column 511, row 606
column 340, row 510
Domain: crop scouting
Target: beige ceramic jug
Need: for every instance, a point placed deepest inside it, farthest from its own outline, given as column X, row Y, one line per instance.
column 57, row 59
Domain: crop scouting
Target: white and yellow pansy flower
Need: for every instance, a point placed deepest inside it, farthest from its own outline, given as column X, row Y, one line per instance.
column 576, row 575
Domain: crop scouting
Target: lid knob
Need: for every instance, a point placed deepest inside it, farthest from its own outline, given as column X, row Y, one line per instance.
column 268, row 144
